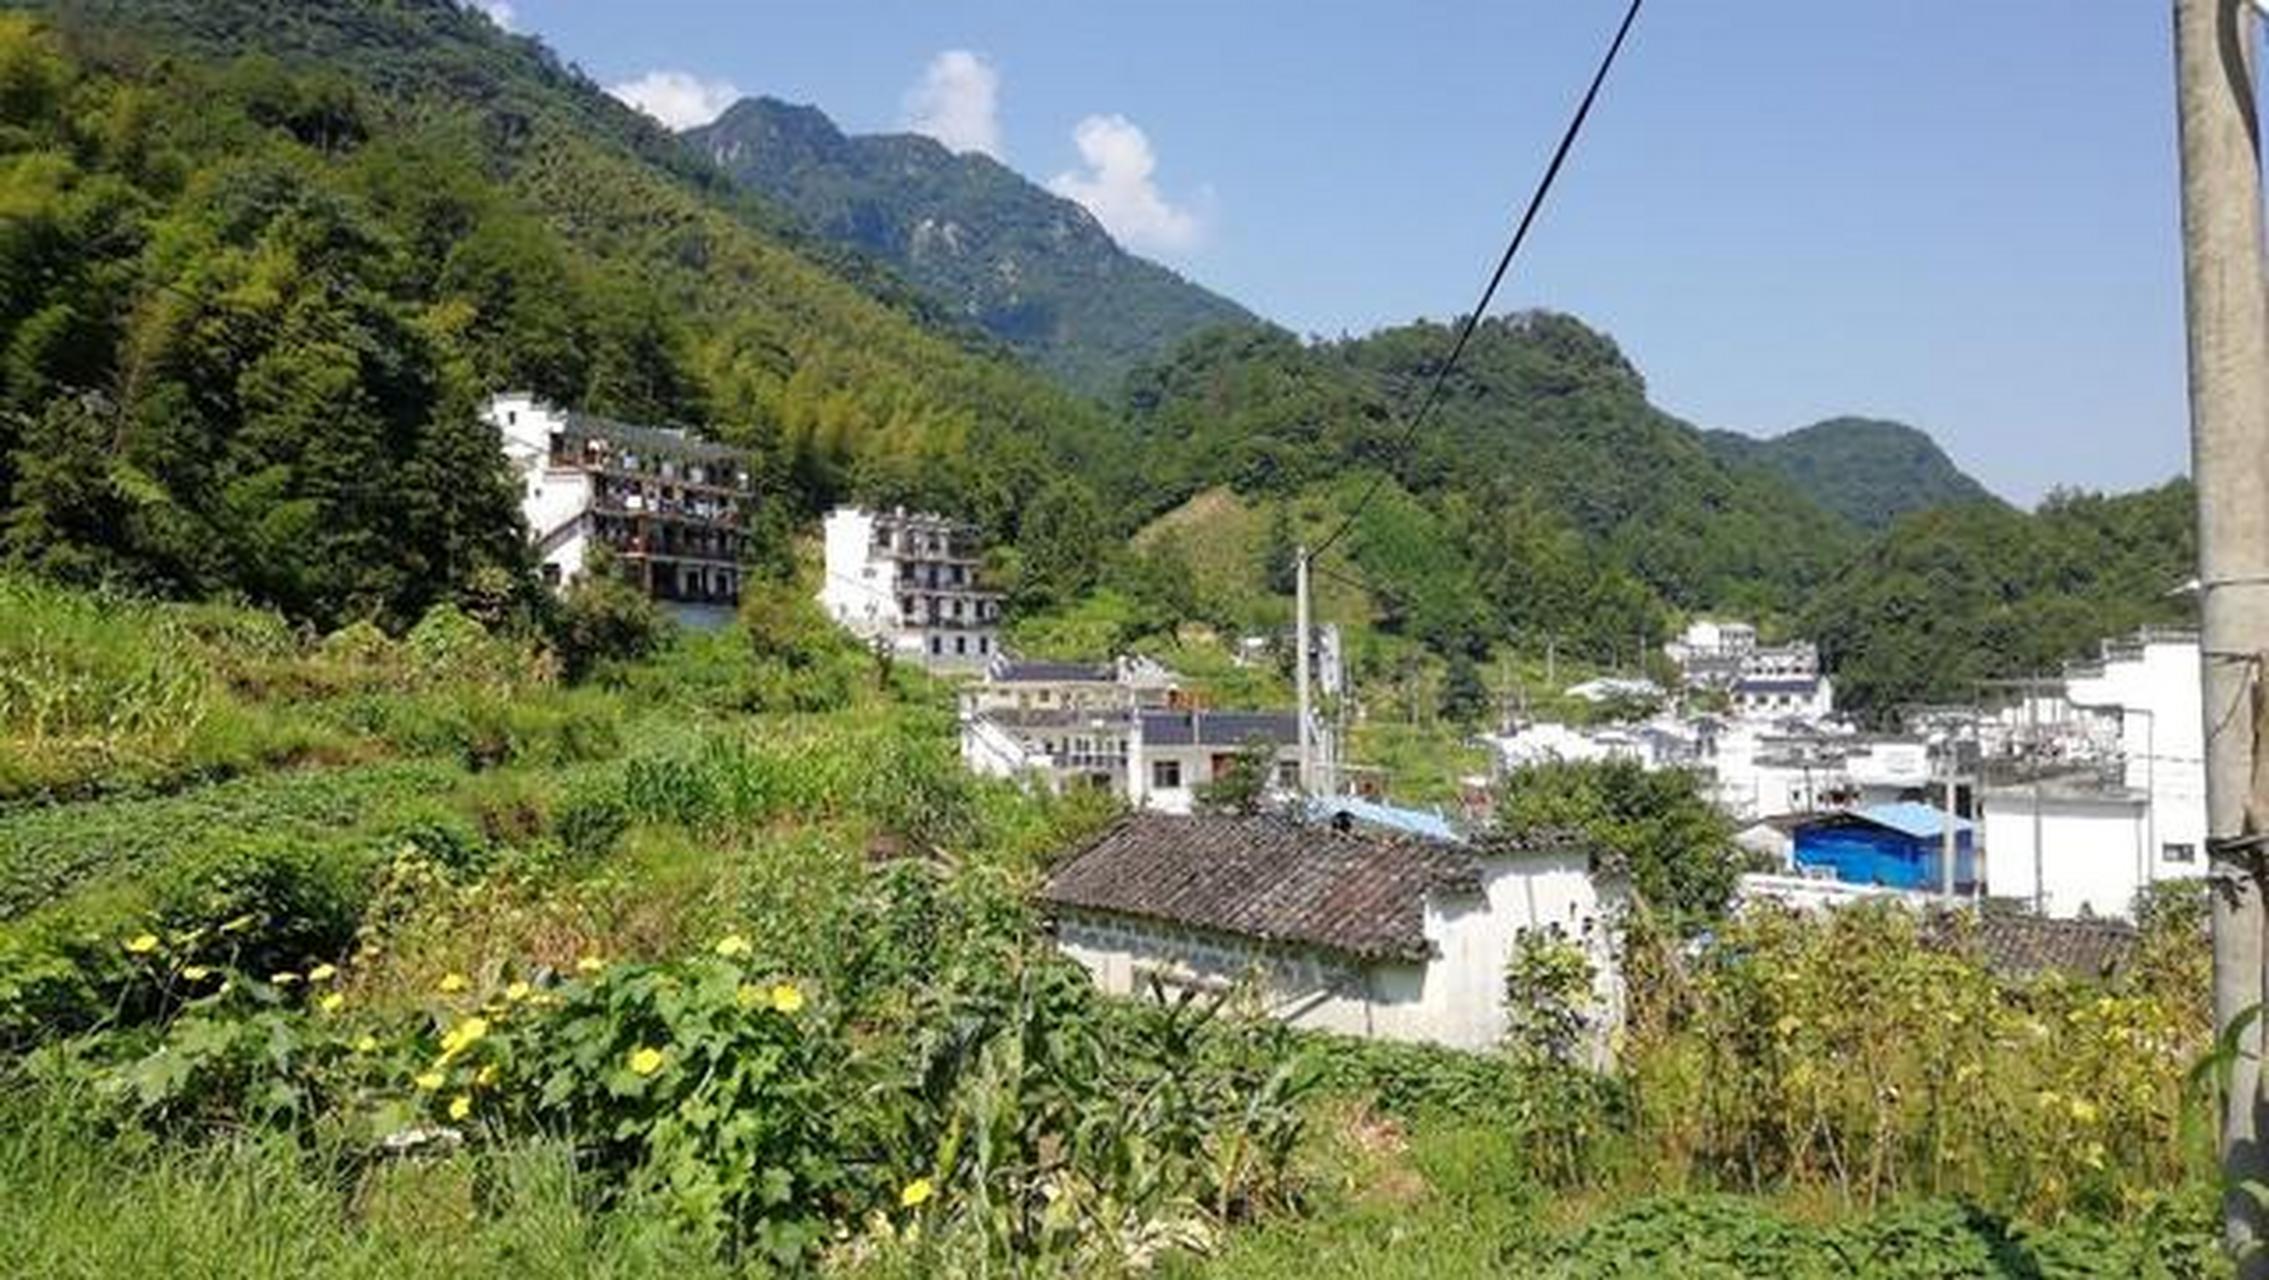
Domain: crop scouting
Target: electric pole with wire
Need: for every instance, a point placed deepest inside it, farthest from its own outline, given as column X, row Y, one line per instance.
column 2226, row 312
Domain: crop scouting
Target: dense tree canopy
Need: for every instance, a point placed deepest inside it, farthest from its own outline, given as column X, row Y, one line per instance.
column 253, row 297
column 1946, row 598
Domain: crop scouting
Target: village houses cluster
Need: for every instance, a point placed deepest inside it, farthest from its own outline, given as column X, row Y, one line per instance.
column 2059, row 799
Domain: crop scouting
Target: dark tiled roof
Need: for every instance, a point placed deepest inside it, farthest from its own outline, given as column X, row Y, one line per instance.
column 1266, row 877
column 584, row 426
column 1219, row 728
column 1010, row 670
column 1100, row 718
column 2019, row 945
column 1777, row 684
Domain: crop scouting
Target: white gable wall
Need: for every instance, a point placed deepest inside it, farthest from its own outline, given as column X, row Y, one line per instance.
column 1463, row 1001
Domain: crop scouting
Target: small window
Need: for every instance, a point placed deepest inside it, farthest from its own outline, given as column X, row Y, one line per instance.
column 2178, row 852
column 984, row 644
column 1166, row 775
column 1288, row 774
column 961, row 644
column 937, row 644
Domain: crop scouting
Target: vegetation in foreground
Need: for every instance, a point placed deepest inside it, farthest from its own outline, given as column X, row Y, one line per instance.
column 733, row 971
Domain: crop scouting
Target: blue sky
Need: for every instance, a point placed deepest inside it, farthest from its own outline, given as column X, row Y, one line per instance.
column 1957, row 213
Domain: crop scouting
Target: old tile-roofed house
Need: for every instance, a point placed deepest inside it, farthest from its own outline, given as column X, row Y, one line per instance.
column 2016, row 945
column 1266, row 878
column 1341, row 930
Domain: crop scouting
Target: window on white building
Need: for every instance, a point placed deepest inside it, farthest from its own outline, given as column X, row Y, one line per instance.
column 937, row 644
column 1166, row 775
column 2178, row 852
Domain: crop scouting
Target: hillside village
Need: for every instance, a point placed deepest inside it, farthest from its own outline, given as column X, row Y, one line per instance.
column 2060, row 803
column 581, row 694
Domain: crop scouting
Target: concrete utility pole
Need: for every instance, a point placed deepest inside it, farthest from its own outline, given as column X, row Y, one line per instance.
column 1300, row 643
column 2226, row 306
column 1946, row 848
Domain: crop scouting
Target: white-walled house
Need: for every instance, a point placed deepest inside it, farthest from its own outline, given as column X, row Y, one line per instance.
column 671, row 509
column 2094, row 845
column 1067, row 723
column 914, row 581
column 1173, row 755
column 2129, row 810
column 1336, row 931
column 1807, row 697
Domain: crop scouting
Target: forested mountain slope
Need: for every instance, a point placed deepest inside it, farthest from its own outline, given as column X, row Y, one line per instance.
column 982, row 242
column 262, row 258
column 1866, row 470
column 1569, row 506
column 1950, row 596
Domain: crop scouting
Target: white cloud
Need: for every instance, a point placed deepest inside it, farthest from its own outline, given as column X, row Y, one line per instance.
column 498, row 11
column 1118, row 189
column 957, row 102
column 679, row 99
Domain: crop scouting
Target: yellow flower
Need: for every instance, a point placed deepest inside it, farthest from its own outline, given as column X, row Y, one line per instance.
column 460, row 1106
column 786, row 998
column 323, row 973
column 142, row 944
column 453, row 983
column 368, row 1044
column 430, row 1081
column 733, row 946
column 916, row 1193
column 516, row 992
column 590, row 964
column 463, row 1036
column 486, row 1076
column 284, row 979
column 2084, row 1111
column 646, row 1060
column 196, row 973
column 332, row 1002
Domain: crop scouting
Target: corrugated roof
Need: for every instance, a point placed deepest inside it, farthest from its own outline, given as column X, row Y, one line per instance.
column 1422, row 823
column 1219, row 728
column 1909, row 818
column 1267, row 878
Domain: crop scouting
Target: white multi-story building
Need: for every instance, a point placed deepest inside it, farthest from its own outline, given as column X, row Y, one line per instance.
column 2121, row 798
column 913, row 581
column 1066, row 722
column 1708, row 652
column 670, row 509
column 1783, row 681
column 1173, row 755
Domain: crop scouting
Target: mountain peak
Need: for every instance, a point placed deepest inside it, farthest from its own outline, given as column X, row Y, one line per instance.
column 1870, row 471
column 1030, row 267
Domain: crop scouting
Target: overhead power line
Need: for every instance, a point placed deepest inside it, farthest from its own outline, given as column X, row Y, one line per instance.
column 1473, row 318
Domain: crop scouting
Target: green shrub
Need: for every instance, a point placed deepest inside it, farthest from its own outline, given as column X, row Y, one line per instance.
column 303, row 900
column 602, row 619
column 591, row 816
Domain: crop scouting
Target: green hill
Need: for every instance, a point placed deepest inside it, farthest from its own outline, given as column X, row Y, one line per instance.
column 1546, row 499
column 261, row 258
column 1949, row 596
column 1866, row 470
column 1029, row 267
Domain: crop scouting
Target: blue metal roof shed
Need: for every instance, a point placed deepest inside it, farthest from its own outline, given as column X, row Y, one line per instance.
column 1900, row 846
column 1413, row 822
